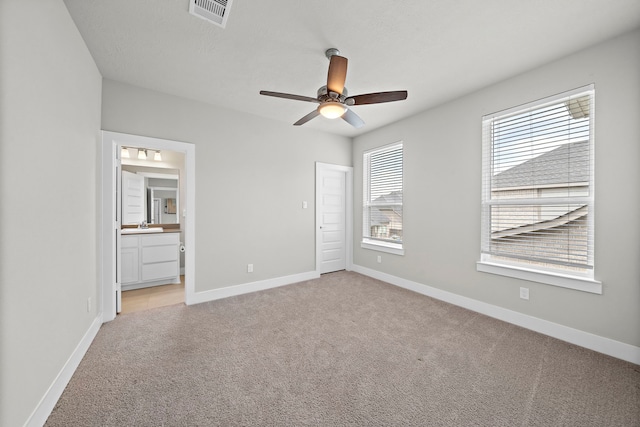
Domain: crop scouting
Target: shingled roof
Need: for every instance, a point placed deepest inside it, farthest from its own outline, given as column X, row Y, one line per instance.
column 383, row 216
column 566, row 163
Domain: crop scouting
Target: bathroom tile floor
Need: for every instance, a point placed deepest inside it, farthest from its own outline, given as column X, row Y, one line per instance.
column 157, row 296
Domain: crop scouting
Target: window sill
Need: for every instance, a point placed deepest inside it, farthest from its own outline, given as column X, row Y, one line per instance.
column 556, row 279
column 391, row 248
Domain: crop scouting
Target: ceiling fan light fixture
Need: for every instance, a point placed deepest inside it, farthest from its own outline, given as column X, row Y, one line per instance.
column 332, row 110
column 333, row 97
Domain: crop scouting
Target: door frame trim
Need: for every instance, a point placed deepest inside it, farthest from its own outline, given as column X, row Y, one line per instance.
column 348, row 182
column 111, row 143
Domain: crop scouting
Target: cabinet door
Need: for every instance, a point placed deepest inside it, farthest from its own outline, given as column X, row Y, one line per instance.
column 160, row 270
column 130, row 265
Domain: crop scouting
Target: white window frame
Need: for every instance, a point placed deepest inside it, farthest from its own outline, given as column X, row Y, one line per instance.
column 583, row 281
column 367, row 242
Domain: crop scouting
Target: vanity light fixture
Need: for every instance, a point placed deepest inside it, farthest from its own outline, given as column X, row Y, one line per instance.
column 157, row 156
column 142, row 154
column 124, row 153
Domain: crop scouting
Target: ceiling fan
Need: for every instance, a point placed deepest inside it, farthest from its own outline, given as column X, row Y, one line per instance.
column 334, row 99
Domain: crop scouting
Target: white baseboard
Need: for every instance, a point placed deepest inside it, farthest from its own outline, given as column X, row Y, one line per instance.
column 588, row 340
column 48, row 402
column 245, row 288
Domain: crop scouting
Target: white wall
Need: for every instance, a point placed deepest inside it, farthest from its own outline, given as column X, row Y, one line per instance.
column 50, row 92
column 442, row 193
column 252, row 176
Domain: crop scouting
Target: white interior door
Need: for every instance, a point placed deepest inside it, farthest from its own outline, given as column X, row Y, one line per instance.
column 133, row 190
column 118, row 235
column 331, row 218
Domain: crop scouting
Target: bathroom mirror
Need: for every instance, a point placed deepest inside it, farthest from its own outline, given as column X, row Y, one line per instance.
column 162, row 205
column 162, row 199
column 160, row 196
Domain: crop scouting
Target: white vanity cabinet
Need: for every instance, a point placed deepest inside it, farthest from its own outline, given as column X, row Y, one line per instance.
column 130, row 258
column 149, row 260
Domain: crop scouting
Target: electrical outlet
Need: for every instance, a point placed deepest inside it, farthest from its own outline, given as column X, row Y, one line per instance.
column 89, row 305
column 304, row 205
column 524, row 293
column 249, row 268
column 379, row 258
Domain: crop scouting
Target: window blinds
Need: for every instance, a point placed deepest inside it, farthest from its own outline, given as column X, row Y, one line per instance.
column 382, row 209
column 537, row 192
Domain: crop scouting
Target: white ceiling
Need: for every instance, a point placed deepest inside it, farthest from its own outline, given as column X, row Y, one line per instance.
column 435, row 49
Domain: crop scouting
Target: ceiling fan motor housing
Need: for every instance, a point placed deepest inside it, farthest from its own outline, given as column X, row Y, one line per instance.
column 330, row 52
column 325, row 95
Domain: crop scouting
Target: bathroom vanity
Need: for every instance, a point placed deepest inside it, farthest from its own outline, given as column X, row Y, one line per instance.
column 149, row 258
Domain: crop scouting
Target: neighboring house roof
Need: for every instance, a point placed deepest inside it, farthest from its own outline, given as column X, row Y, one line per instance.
column 562, row 243
column 383, row 216
column 548, row 169
column 389, row 199
column 573, row 217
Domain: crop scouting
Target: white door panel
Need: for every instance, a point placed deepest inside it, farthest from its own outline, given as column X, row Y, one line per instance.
column 333, row 237
column 331, row 185
column 133, row 211
column 118, row 235
column 331, row 219
column 330, row 256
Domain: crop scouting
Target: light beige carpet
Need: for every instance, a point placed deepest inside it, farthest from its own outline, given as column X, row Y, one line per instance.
column 343, row 350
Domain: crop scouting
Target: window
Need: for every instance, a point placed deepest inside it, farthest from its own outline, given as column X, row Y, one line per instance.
column 537, row 191
column 382, row 206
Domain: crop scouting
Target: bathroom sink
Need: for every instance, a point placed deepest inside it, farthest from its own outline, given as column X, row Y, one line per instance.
column 141, row 230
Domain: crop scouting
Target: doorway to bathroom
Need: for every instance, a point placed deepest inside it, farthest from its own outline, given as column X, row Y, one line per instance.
column 151, row 242
column 128, row 218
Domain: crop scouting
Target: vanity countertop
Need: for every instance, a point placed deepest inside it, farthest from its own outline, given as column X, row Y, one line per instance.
column 150, row 230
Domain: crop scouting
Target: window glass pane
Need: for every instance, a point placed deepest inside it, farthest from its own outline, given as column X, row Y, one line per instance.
column 558, row 171
column 386, row 175
column 537, row 169
column 382, row 210
column 556, row 234
column 385, row 222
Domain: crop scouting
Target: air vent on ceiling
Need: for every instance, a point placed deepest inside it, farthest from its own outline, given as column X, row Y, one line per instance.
column 216, row 11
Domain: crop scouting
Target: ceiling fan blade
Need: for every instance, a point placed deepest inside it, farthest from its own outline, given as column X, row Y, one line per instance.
column 377, row 98
column 306, row 118
column 337, row 74
column 353, row 119
column 289, row 96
